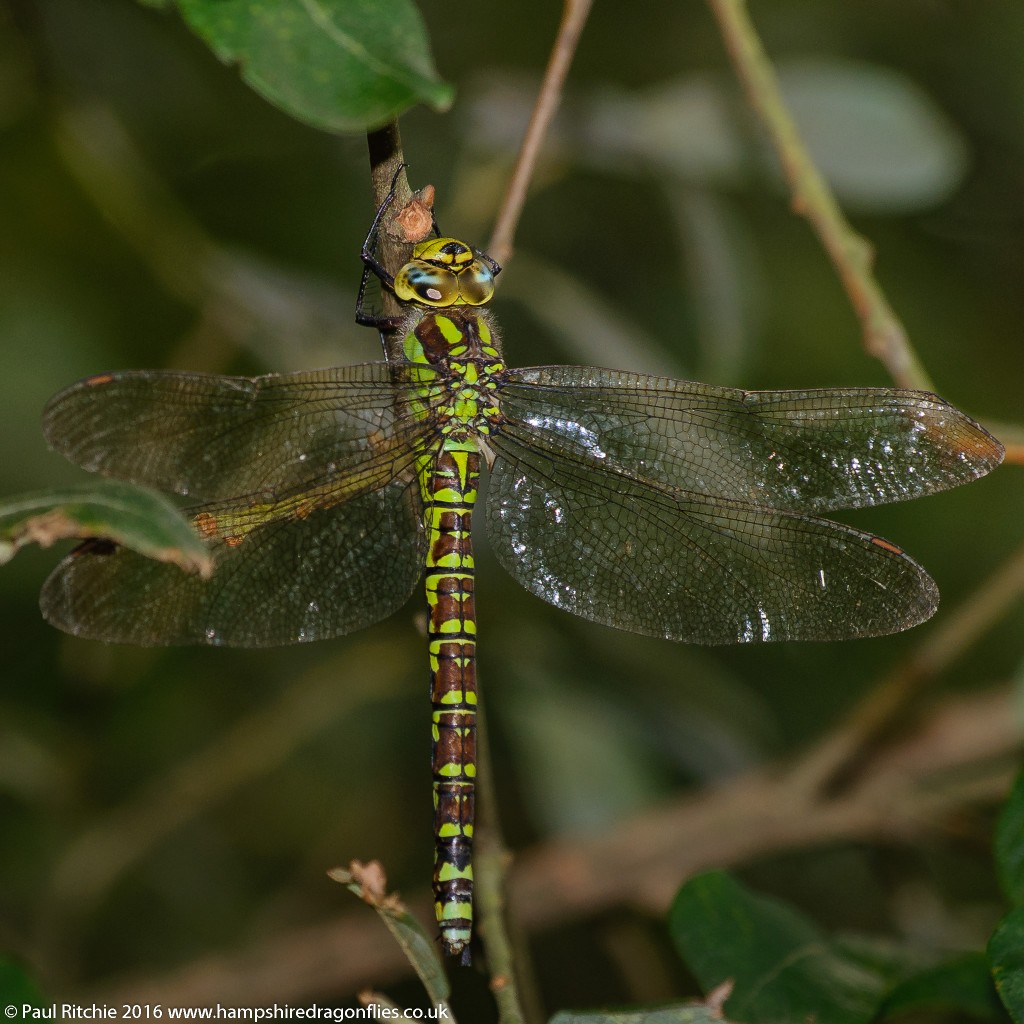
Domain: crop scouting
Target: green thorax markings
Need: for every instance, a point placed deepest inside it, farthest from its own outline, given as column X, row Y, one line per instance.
column 461, row 392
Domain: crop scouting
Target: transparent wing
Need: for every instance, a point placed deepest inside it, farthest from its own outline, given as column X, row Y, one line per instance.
column 792, row 450
column 324, row 572
column 680, row 565
column 215, row 438
column 315, row 527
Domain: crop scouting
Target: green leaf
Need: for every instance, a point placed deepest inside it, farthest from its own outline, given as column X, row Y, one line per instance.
column 367, row 881
column 341, row 65
column 134, row 517
column 1006, row 958
column 963, row 985
column 1009, row 845
column 783, row 968
column 684, row 1013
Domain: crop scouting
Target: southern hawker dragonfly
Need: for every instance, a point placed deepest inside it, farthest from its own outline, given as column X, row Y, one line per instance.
column 663, row 507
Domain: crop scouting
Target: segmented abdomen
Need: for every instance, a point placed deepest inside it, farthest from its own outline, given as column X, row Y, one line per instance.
column 449, row 490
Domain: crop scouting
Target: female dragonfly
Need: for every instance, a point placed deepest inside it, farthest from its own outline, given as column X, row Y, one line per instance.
column 663, row 507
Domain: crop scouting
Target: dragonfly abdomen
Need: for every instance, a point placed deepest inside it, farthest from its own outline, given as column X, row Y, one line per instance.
column 450, row 487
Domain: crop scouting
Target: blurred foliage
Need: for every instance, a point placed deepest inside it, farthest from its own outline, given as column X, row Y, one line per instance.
column 163, row 806
column 781, row 966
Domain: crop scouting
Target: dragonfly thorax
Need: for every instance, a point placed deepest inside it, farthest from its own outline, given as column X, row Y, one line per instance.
column 461, row 389
column 445, row 272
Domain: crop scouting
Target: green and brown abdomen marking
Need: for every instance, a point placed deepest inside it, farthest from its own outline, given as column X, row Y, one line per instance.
column 450, row 487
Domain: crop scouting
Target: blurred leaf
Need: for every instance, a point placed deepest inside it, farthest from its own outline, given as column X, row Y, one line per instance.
column 723, row 282
column 963, row 985
column 1009, row 845
column 880, row 141
column 367, row 881
column 340, row 65
column 1006, row 957
column 784, row 969
column 582, row 772
column 134, row 517
column 16, row 987
column 685, row 126
column 593, row 331
column 686, row 1013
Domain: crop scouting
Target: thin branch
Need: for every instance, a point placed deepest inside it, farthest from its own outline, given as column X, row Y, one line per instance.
column 574, row 17
column 507, row 962
column 884, row 335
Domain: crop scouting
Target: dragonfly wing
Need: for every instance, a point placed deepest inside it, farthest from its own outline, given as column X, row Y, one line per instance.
column 674, row 564
column 793, row 450
column 316, row 573
column 215, row 438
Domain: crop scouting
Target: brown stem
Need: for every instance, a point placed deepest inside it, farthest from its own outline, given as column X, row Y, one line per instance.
column 507, row 957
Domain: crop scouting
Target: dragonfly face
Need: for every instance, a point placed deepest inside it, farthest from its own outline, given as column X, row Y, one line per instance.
column 445, row 272
column 664, row 507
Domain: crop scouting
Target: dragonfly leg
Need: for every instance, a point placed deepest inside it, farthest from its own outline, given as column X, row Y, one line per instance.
column 371, row 265
column 366, row 253
column 367, row 318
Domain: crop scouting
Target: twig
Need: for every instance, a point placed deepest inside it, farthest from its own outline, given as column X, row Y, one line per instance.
column 506, row 965
column 574, row 17
column 884, row 335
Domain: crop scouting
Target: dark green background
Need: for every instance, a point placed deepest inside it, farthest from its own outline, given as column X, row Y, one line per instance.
column 589, row 725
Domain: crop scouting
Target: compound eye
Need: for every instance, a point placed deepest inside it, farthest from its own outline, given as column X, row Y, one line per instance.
column 476, row 284
column 426, row 284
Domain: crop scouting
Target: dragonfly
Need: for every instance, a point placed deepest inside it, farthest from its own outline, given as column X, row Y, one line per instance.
column 663, row 507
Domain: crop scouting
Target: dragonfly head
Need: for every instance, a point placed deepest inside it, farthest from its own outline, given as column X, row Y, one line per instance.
column 446, row 272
